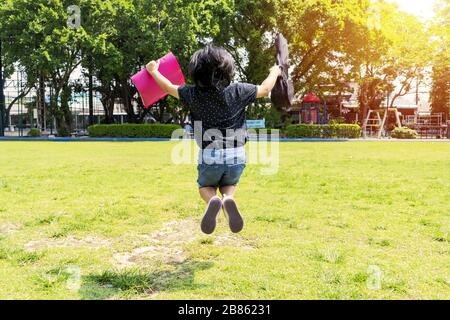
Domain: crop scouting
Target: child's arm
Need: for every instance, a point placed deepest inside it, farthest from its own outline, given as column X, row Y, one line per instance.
column 163, row 82
column 266, row 87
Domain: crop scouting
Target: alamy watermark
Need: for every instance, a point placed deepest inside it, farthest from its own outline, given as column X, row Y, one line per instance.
column 74, row 17
column 73, row 282
column 374, row 20
column 228, row 147
column 375, row 277
column 70, row 277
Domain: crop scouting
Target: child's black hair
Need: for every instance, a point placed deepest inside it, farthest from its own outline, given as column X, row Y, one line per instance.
column 212, row 67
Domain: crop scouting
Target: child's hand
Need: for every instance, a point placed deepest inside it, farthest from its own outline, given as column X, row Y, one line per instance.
column 152, row 66
column 276, row 70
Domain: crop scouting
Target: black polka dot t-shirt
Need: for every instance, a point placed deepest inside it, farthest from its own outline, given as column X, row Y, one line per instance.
column 220, row 113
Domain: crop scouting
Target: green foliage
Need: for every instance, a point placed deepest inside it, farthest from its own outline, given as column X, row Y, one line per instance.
column 332, row 43
column 131, row 280
column 324, row 39
column 338, row 120
column 440, row 91
column 243, row 31
column 63, row 132
column 116, row 38
column 126, row 34
column 440, row 29
column 273, row 118
column 267, row 111
column 39, row 38
column 35, row 133
column 403, row 133
column 133, row 130
column 350, row 131
column 392, row 59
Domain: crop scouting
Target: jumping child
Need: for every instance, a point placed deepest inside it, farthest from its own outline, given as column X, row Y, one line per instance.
column 217, row 108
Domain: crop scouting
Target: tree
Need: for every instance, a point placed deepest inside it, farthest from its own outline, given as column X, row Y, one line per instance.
column 126, row 34
column 440, row 92
column 325, row 37
column 45, row 42
column 408, row 57
column 393, row 58
column 9, row 64
column 247, row 32
column 100, row 58
column 248, row 29
column 325, row 41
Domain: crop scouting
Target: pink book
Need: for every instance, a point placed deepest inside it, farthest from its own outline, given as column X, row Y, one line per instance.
column 148, row 88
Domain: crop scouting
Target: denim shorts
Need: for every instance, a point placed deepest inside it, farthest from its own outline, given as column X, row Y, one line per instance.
column 219, row 168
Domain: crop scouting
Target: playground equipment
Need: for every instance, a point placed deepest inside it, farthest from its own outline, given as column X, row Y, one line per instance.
column 310, row 110
column 428, row 125
column 448, row 129
column 375, row 122
column 148, row 88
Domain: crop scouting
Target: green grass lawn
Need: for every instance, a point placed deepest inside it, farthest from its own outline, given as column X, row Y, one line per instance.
column 120, row 221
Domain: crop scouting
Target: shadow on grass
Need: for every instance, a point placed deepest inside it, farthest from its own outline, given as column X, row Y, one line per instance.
column 129, row 283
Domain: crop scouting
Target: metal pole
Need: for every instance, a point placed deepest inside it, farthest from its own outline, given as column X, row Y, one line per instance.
column 309, row 113
column 18, row 105
column 318, row 114
column 2, row 96
column 24, row 118
column 84, row 111
column 41, row 98
column 91, row 98
column 75, row 110
column 51, row 110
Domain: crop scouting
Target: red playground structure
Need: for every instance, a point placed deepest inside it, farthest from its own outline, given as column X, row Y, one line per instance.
column 312, row 110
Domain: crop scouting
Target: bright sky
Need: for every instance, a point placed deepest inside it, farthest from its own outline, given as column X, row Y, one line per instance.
column 421, row 8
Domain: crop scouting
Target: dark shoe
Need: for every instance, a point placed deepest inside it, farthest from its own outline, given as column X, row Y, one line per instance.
column 234, row 216
column 209, row 220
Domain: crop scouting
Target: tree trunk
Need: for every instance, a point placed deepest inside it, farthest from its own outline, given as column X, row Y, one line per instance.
column 108, row 107
column 61, row 114
column 7, row 112
column 65, row 122
column 126, row 100
column 364, row 111
column 54, row 95
column 161, row 110
column 11, row 104
column 41, row 99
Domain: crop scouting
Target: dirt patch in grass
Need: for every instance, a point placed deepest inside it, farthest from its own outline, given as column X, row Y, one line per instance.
column 150, row 253
column 165, row 245
column 89, row 242
column 9, row 228
column 176, row 232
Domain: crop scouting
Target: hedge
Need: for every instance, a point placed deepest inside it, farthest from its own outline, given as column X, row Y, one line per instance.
column 35, row 133
column 323, row 131
column 403, row 133
column 132, row 130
